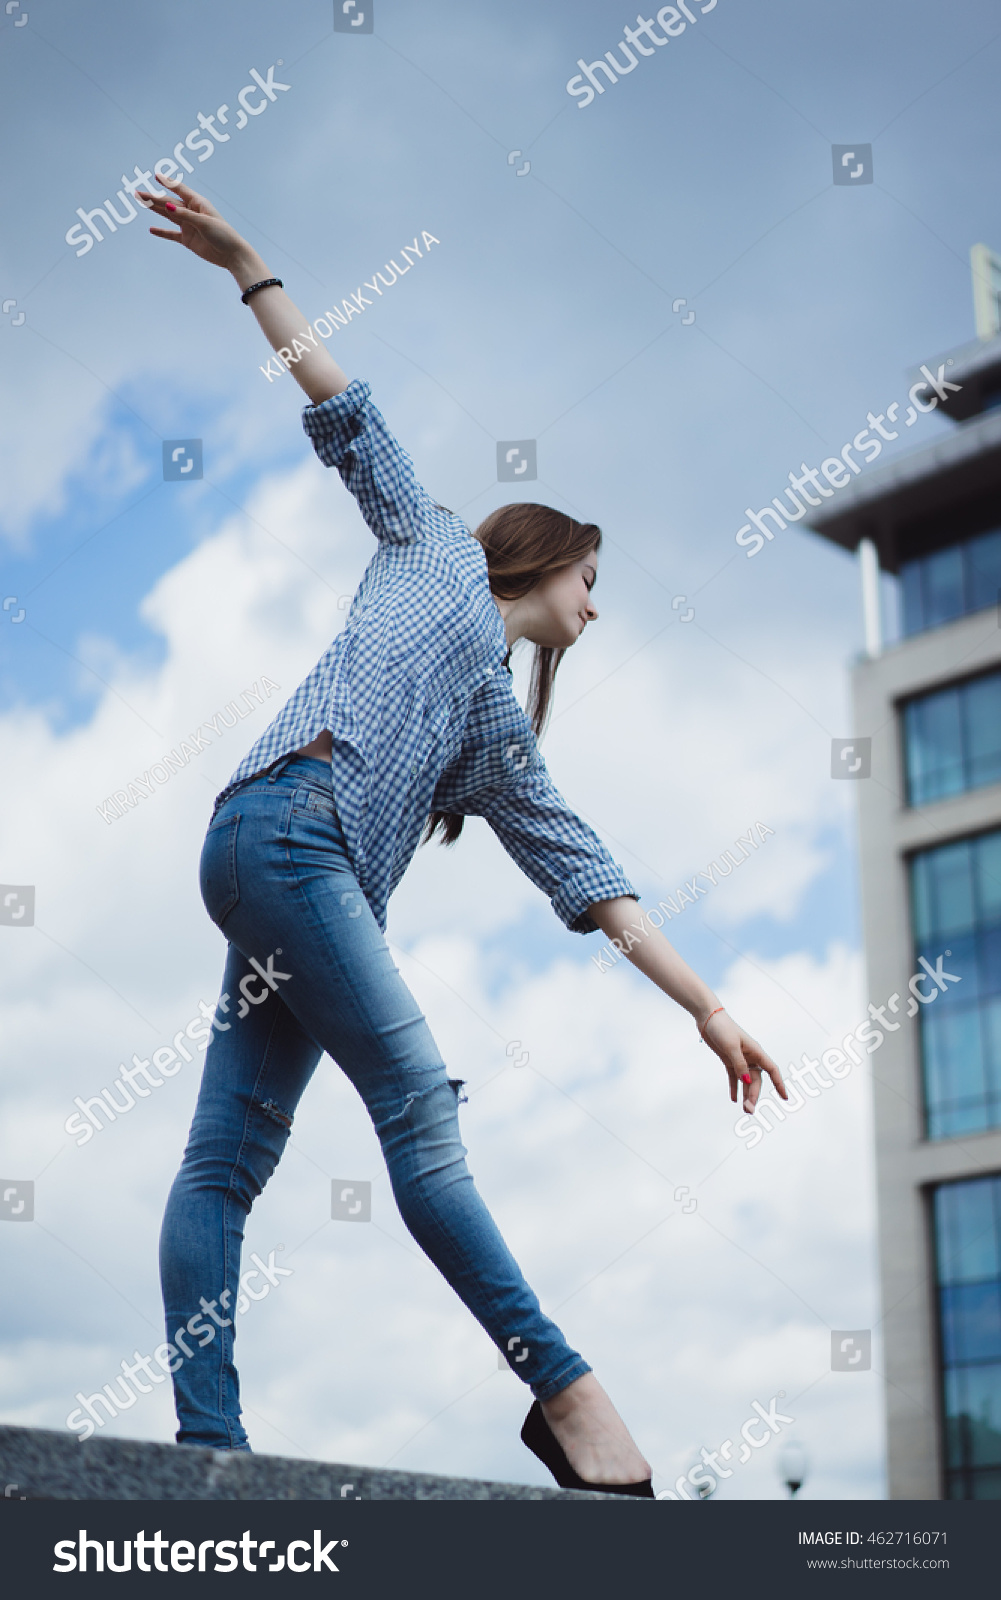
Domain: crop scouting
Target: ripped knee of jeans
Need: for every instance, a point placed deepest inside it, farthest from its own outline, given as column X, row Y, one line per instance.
column 270, row 1109
column 421, row 1104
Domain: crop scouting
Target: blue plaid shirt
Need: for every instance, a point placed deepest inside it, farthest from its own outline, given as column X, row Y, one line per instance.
column 416, row 694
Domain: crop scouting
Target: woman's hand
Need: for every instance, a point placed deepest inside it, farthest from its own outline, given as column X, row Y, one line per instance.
column 742, row 1057
column 202, row 229
column 205, row 234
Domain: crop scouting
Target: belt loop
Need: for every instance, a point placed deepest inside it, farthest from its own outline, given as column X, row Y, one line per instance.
column 280, row 765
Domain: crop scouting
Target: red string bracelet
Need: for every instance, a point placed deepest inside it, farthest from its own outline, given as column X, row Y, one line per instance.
column 702, row 1030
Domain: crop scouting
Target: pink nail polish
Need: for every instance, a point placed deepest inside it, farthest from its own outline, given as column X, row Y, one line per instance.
column 745, row 1077
column 170, row 206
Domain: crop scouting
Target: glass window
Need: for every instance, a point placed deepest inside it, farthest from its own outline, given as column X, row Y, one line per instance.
column 943, row 882
column 951, row 583
column 952, row 739
column 943, row 586
column 956, row 916
column 910, row 584
column 967, row 1232
column 954, row 1068
column 980, row 710
column 968, row 1243
column 983, row 565
column 990, row 879
column 934, row 746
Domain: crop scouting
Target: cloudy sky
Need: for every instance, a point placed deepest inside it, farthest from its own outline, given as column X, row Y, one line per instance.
column 566, row 235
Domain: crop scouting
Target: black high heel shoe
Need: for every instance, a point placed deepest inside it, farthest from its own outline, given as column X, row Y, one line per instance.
column 542, row 1441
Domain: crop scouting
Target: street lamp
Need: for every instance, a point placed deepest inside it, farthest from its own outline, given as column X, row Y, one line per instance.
column 792, row 1466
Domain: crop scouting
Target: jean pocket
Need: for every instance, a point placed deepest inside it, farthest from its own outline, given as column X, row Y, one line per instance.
column 217, row 877
column 317, row 804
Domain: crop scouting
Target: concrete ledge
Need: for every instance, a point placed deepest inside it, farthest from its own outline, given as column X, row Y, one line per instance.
column 49, row 1464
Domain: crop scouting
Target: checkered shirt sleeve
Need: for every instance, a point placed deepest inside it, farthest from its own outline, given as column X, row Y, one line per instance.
column 350, row 433
column 554, row 847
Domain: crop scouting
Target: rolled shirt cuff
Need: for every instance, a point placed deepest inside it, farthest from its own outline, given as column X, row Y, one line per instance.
column 331, row 425
column 571, row 900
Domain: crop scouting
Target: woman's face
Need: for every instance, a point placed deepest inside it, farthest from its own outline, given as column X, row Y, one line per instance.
column 559, row 605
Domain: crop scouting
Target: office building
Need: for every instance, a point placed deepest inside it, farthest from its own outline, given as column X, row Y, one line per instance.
column 929, row 810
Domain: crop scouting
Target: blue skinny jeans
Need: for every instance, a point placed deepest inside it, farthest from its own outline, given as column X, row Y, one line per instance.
column 276, row 879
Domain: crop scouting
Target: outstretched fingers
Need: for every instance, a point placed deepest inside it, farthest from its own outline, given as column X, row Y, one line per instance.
column 188, row 196
column 170, row 210
column 759, row 1063
column 179, row 201
column 749, row 1079
column 743, row 1058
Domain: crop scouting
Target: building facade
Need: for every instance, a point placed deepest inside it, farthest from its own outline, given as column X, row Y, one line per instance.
column 927, row 732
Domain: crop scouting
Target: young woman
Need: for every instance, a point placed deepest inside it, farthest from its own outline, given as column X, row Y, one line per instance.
column 407, row 722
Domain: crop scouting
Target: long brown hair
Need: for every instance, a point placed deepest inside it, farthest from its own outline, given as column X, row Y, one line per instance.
column 523, row 543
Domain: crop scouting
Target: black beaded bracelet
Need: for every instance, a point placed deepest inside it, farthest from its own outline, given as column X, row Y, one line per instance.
column 265, row 283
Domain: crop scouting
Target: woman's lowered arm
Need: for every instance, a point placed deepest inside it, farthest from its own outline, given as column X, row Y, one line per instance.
column 564, row 857
column 205, row 234
column 658, row 960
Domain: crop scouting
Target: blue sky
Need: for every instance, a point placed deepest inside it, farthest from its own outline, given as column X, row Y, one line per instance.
column 544, row 311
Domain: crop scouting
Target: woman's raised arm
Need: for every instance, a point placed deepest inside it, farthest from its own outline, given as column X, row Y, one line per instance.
column 204, row 232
